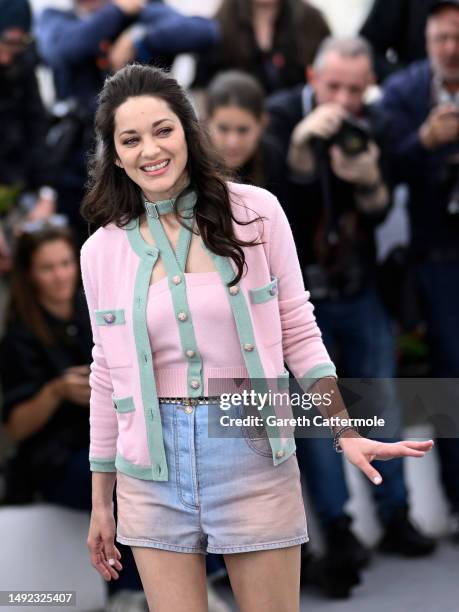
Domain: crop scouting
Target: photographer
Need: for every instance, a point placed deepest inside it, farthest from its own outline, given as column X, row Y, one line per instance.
column 338, row 194
column 423, row 102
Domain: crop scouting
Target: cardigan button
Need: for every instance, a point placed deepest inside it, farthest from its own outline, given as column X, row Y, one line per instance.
column 273, row 291
column 280, row 454
column 234, row 290
column 109, row 318
column 176, row 280
column 190, row 354
column 248, row 347
column 194, row 384
column 182, row 316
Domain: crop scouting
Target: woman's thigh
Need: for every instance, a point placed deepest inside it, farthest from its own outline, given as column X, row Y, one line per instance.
column 267, row 580
column 172, row 581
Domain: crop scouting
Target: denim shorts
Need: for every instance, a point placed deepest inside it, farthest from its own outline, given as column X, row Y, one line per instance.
column 224, row 494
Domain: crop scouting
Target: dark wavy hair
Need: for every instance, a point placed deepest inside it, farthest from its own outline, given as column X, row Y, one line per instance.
column 237, row 34
column 112, row 197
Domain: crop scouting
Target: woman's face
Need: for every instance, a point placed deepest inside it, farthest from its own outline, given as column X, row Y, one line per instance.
column 54, row 271
column 151, row 147
column 235, row 133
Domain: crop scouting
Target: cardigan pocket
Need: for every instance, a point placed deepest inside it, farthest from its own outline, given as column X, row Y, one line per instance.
column 113, row 332
column 256, row 438
column 265, row 311
column 123, row 404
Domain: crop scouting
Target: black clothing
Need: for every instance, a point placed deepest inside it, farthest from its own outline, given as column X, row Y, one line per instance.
column 266, row 169
column 24, row 124
column 271, row 68
column 430, row 175
column 399, row 26
column 26, row 366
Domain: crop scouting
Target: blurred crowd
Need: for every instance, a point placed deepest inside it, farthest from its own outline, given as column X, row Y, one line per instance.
column 287, row 107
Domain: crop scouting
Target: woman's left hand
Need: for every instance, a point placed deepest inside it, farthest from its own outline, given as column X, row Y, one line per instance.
column 361, row 452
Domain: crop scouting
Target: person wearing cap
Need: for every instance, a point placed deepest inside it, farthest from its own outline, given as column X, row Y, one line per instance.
column 24, row 178
column 423, row 102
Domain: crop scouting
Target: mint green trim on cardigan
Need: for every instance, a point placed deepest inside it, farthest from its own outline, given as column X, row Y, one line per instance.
column 174, row 264
column 110, row 317
column 149, row 256
column 124, row 404
column 238, row 302
column 283, row 381
column 321, row 370
column 131, row 469
column 102, row 465
column 264, row 294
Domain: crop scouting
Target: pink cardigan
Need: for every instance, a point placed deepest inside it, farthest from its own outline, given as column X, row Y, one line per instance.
column 271, row 308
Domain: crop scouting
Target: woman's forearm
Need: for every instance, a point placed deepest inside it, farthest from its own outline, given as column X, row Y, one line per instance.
column 102, row 489
column 336, row 410
column 32, row 415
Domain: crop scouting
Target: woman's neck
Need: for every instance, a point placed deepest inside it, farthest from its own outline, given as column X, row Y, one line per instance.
column 175, row 190
column 264, row 20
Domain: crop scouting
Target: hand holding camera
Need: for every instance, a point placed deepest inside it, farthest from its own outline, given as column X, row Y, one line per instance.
column 361, row 169
column 441, row 127
column 323, row 123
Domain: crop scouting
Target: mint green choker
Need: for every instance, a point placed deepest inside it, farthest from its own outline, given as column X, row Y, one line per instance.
column 184, row 201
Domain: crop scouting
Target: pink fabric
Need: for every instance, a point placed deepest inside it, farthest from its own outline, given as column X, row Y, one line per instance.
column 212, row 318
column 285, row 328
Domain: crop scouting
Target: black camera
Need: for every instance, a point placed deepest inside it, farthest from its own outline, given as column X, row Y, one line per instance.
column 352, row 138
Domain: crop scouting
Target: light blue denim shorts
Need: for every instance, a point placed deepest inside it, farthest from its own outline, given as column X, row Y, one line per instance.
column 224, row 495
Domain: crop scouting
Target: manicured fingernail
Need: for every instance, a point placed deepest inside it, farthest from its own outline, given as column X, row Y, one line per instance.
column 377, row 480
column 111, row 561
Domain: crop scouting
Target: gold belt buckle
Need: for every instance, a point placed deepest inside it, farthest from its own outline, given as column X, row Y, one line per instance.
column 190, row 401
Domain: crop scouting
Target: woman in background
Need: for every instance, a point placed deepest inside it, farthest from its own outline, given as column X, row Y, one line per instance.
column 274, row 40
column 236, row 121
column 44, row 358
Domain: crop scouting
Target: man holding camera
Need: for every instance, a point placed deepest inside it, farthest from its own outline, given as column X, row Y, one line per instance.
column 423, row 102
column 339, row 193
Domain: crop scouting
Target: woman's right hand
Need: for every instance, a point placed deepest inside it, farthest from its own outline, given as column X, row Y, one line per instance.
column 101, row 544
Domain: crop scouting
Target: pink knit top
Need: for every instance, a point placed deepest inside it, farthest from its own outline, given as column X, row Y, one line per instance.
column 212, row 320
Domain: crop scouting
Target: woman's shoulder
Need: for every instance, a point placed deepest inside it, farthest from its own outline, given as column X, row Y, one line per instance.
column 103, row 241
column 253, row 201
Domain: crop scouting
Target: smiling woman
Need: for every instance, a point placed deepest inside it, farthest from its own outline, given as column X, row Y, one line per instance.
column 153, row 155
column 234, row 308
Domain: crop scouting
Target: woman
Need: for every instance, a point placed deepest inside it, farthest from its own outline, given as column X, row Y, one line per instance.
column 45, row 356
column 190, row 292
column 236, row 121
column 45, row 353
column 273, row 40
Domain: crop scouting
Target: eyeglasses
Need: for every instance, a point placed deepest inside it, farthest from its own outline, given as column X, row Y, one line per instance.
column 32, row 227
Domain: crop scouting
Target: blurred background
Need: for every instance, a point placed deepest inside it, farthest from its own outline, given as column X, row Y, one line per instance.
column 349, row 113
